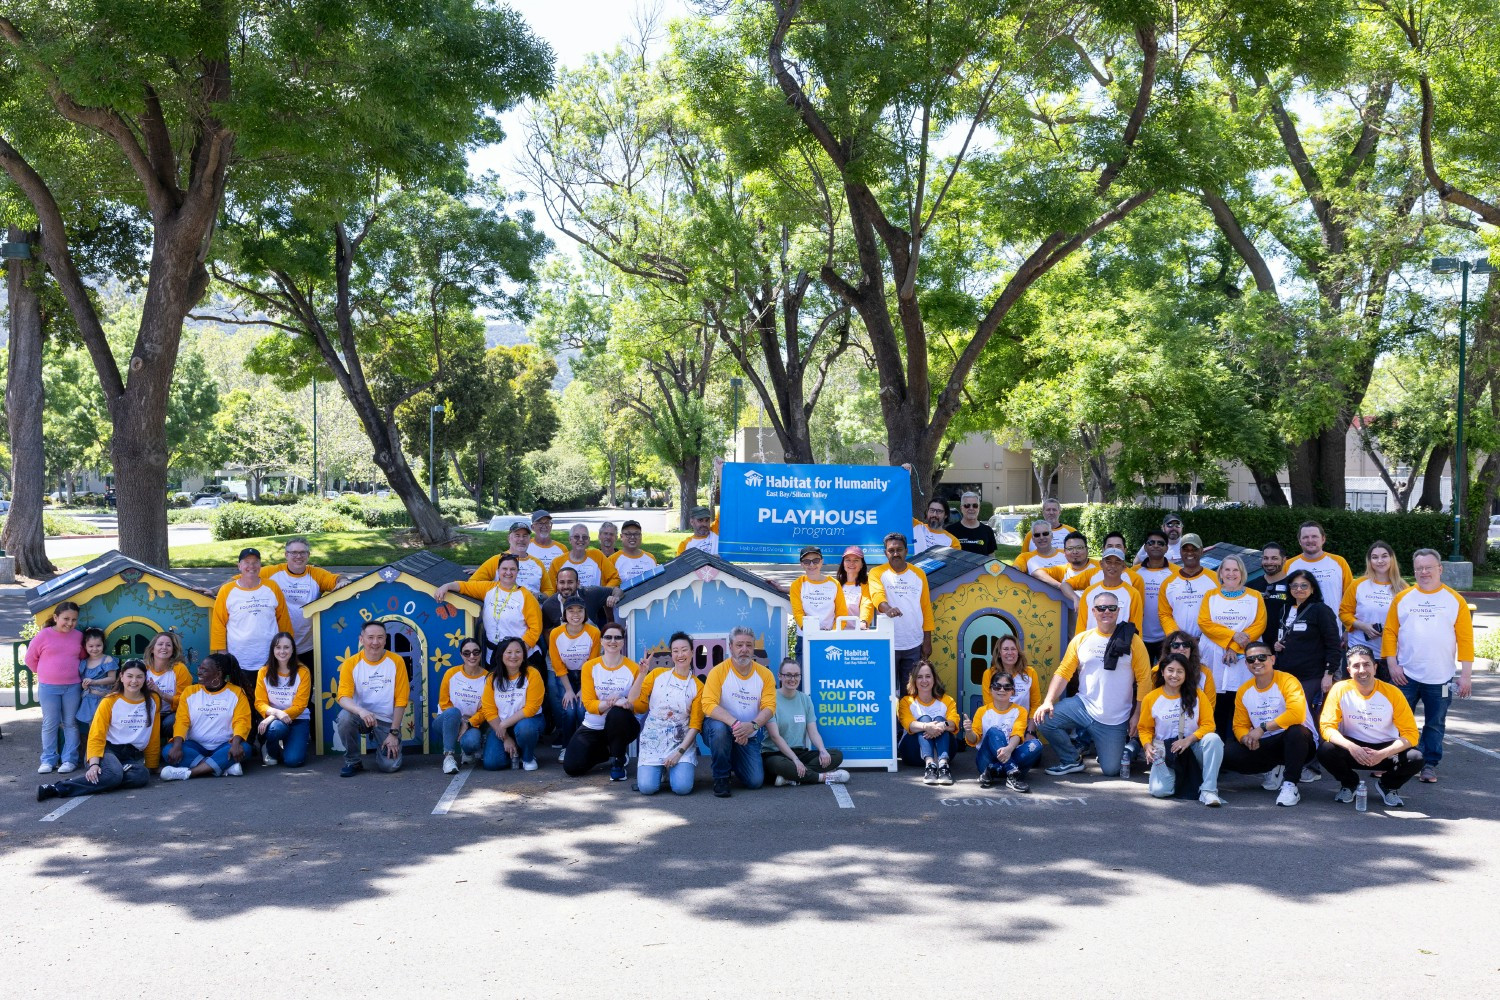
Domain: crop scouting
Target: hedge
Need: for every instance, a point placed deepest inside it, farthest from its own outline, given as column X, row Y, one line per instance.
column 61, row 524
column 243, row 520
column 1350, row 533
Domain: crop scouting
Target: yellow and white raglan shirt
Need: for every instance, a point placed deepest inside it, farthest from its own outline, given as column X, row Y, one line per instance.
column 1059, row 534
column 170, row 684
column 499, row 700
column 1282, row 702
column 924, row 538
column 628, row 568
column 1028, row 690
column 1163, row 718
column 244, row 621
column 593, row 571
column 507, row 612
column 379, row 688
column 742, row 696
column 906, row 590
column 292, row 698
column 299, row 590
column 570, row 652
column 1367, row 601
column 1065, row 570
column 1429, row 634
column 1219, row 618
column 602, row 683
column 823, row 602
column 1031, row 559
column 857, row 600
column 1379, row 719
column 459, row 690
column 1012, row 722
column 1132, row 604
column 709, row 544
column 121, row 722
column 1108, row 695
column 547, row 554
column 530, row 573
column 212, row 718
column 1331, row 572
column 914, row 709
column 1178, row 601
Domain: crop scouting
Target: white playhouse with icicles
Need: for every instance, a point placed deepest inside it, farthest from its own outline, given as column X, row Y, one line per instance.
column 704, row 596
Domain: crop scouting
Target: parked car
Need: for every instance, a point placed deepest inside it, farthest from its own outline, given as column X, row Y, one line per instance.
column 1495, row 529
column 332, row 495
column 382, row 494
column 4, row 506
column 1008, row 528
column 210, row 502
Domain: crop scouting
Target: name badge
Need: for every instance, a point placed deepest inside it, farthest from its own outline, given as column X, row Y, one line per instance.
column 1300, row 627
column 799, row 718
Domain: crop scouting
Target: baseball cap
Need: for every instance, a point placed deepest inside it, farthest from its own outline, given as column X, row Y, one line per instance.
column 537, row 515
column 246, row 553
column 574, row 602
column 1172, row 519
column 1114, row 550
column 1191, row 539
column 810, row 550
column 854, row 550
column 521, row 526
column 700, row 512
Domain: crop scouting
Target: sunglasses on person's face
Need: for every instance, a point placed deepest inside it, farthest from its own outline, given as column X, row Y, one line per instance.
column 1106, row 609
column 471, row 652
column 1002, row 687
column 970, row 506
column 1300, row 585
column 614, row 637
column 1179, row 644
column 1156, row 543
column 1259, row 658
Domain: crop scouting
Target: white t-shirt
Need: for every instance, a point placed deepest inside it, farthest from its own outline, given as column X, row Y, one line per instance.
column 1183, row 596
column 545, row 554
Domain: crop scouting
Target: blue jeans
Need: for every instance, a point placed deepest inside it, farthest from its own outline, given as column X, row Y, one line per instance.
column 60, row 711
column 1071, row 717
column 1022, row 759
column 919, row 750
column 288, row 743
column 1210, row 753
column 680, row 775
column 194, row 754
column 565, row 720
column 1435, row 699
column 448, row 723
column 729, row 756
column 525, row 733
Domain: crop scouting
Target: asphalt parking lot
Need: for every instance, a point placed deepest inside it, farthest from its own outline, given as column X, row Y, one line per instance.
column 533, row 884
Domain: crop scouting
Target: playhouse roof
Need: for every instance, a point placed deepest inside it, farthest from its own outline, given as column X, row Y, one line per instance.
column 686, row 566
column 421, row 567
column 81, row 578
column 944, row 565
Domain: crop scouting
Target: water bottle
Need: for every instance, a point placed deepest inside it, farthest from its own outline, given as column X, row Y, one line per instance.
column 1361, row 798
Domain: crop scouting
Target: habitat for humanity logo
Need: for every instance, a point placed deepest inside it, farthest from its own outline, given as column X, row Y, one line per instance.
column 834, row 653
column 753, row 478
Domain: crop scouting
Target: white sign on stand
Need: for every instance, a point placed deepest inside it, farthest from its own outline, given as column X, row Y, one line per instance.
column 850, row 674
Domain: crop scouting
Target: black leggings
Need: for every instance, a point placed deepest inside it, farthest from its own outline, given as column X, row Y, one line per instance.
column 1291, row 748
column 1398, row 769
column 591, row 747
column 113, row 773
column 1224, row 716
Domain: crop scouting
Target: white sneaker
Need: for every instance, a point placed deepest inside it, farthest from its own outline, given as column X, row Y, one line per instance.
column 465, row 758
column 45, row 769
column 266, row 758
column 781, row 782
column 1210, row 799
column 838, row 777
column 234, row 770
column 1391, row 799
column 529, row 765
column 450, row 766
column 68, row 767
column 170, row 773
column 1310, row 774
column 1272, row 780
column 1289, row 795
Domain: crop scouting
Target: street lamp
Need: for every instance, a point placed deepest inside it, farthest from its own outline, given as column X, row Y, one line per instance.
column 431, row 452
column 1464, row 267
column 734, row 437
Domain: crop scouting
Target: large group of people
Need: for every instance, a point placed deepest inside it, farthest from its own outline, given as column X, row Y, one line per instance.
column 1180, row 669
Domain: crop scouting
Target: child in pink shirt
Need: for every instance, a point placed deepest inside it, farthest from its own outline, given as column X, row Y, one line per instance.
column 53, row 656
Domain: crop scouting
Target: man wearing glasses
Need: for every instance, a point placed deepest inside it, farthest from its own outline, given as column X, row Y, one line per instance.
column 933, row 534
column 1111, row 682
column 1171, row 526
column 1271, row 736
column 300, row 584
column 1052, row 514
column 973, row 534
column 1044, row 553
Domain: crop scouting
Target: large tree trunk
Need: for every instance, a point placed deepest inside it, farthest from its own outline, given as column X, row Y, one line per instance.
column 24, row 404
column 1317, row 469
column 1480, row 501
column 1268, row 485
column 1432, row 479
column 687, row 491
column 391, row 460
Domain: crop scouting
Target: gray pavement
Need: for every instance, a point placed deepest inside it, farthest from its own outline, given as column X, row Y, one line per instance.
column 537, row 885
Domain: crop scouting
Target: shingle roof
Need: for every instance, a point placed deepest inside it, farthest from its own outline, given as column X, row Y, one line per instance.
column 81, row 578
column 687, row 563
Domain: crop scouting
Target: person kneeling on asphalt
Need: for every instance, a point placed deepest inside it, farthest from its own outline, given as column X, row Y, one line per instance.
column 212, row 725
column 739, row 698
column 1113, row 671
column 1178, row 717
column 1367, row 724
column 999, row 731
column 1270, row 716
column 373, row 693
column 929, row 720
column 799, row 757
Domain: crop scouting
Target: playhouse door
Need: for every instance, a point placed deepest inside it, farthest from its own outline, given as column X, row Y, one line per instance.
column 406, row 642
column 977, row 646
column 129, row 639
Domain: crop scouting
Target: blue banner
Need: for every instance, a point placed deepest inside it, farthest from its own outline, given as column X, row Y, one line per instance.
column 851, row 677
column 768, row 512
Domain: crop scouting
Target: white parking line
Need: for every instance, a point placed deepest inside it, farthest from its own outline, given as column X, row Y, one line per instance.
column 450, row 794
column 1474, row 746
column 64, row 809
column 846, row 801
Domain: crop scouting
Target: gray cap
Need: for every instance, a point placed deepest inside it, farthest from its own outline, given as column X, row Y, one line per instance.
column 537, row 515
column 701, row 512
column 1114, row 550
column 521, row 526
column 1190, row 539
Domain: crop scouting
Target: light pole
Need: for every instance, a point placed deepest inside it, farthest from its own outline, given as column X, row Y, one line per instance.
column 734, row 436
column 431, row 452
column 1464, row 267
column 317, row 486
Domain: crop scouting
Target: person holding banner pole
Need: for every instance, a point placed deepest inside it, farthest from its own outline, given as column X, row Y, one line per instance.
column 703, row 537
column 800, row 757
column 899, row 591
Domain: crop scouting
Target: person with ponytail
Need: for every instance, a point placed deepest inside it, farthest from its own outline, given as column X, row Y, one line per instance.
column 124, row 739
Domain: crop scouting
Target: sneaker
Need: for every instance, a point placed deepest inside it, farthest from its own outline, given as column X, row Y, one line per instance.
column 450, row 765
column 944, row 774
column 1211, row 799
column 1016, row 784
column 839, row 777
column 45, row 769
column 1428, row 775
column 987, row 779
column 1289, row 796
column 350, row 768
column 721, row 788
column 1272, row 780
column 1058, row 770
column 68, row 767
column 465, row 758
column 45, row 792
column 1390, row 798
column 529, row 765
column 234, row 770
column 1343, row 795
column 266, row 758
column 1125, row 765
column 559, row 746
column 1310, row 774
column 170, row 773
column 782, row 782
column 616, row 771
column 930, row 774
